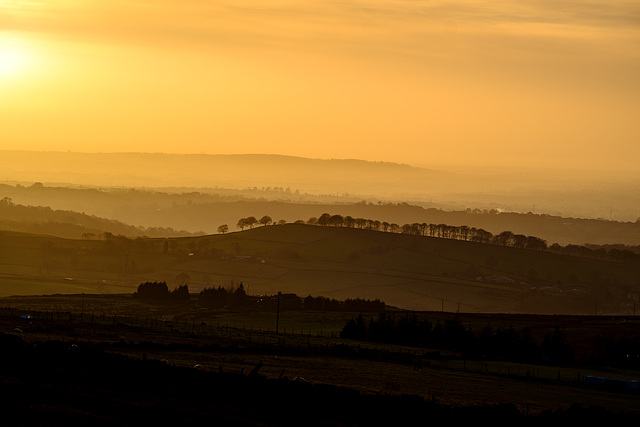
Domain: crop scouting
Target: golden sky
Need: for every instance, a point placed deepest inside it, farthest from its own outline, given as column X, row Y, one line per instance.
column 531, row 82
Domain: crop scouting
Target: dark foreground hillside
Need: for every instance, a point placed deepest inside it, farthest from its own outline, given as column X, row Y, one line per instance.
column 54, row 383
column 116, row 360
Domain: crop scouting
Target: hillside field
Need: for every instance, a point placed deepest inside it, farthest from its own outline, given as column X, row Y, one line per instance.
column 409, row 272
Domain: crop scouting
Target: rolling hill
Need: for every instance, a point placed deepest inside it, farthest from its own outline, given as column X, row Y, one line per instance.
column 410, row 272
column 155, row 213
column 70, row 224
column 512, row 188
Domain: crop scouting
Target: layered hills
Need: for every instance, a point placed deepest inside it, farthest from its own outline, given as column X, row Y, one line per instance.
column 560, row 192
column 69, row 225
column 406, row 271
column 72, row 212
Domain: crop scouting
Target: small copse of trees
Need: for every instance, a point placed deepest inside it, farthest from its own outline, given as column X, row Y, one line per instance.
column 221, row 297
column 159, row 291
column 509, row 343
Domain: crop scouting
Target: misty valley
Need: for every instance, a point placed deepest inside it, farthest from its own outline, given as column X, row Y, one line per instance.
column 319, row 213
column 222, row 306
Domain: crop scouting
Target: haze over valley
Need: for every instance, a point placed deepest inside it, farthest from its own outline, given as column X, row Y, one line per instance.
column 237, row 213
column 564, row 193
column 341, row 245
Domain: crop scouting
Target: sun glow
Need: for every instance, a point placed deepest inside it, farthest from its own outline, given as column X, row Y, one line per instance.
column 14, row 58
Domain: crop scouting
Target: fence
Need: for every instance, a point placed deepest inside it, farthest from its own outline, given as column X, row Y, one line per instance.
column 129, row 330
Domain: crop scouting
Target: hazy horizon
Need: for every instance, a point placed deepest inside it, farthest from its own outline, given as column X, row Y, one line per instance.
column 431, row 84
column 573, row 171
column 583, row 194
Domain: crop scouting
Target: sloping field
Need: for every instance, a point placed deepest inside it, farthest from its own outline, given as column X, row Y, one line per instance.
column 412, row 272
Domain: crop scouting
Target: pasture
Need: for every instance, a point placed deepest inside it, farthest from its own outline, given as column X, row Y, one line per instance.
column 410, row 272
column 308, row 346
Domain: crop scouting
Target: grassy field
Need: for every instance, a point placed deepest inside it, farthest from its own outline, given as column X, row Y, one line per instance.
column 307, row 346
column 411, row 272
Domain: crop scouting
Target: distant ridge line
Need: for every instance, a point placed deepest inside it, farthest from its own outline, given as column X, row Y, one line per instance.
column 219, row 155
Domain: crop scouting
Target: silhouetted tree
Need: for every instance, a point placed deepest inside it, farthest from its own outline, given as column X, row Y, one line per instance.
column 266, row 220
column 519, row 241
column 240, row 290
column 336, row 220
column 311, row 303
column 349, row 221
column 153, row 290
column 536, row 243
column 464, row 232
column 181, row 293
column 355, row 329
column 360, row 223
column 324, row 219
column 482, row 236
column 505, row 238
column 214, row 298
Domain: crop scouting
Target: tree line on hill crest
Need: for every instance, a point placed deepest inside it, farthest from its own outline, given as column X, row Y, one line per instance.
column 621, row 253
